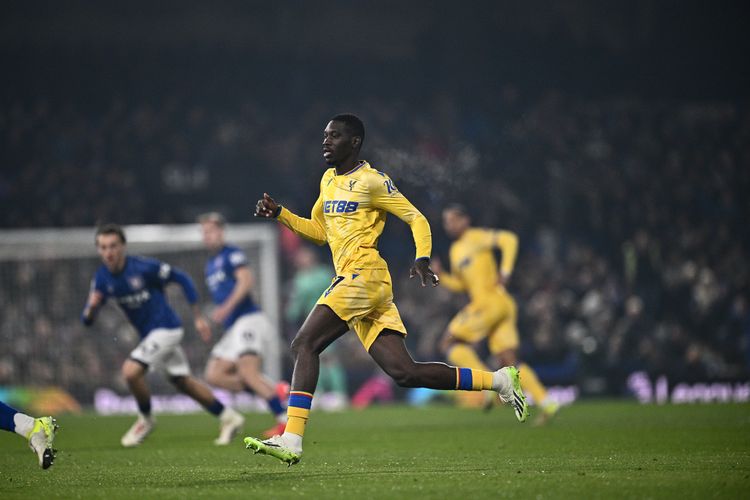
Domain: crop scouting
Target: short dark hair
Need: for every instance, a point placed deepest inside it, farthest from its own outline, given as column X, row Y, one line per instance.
column 110, row 228
column 459, row 208
column 353, row 123
column 214, row 217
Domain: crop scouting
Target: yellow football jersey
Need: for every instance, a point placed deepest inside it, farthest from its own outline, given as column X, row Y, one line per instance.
column 473, row 265
column 350, row 215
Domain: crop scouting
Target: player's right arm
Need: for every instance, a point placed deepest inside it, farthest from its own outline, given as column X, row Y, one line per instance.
column 385, row 196
column 95, row 300
column 161, row 273
column 312, row 229
column 507, row 242
column 236, row 265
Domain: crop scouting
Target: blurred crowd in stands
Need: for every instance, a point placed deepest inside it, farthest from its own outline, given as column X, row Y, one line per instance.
column 632, row 214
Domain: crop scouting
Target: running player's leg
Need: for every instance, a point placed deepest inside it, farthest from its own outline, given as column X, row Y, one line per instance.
column 319, row 330
column 148, row 353
column 134, row 372
column 230, row 421
column 246, row 343
column 173, row 361
column 176, row 366
column 221, row 370
column 223, row 373
column 389, row 351
column 12, row 420
column 200, row 392
column 250, row 371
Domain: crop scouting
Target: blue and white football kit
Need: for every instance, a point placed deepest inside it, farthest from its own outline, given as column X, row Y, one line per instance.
column 139, row 291
column 248, row 330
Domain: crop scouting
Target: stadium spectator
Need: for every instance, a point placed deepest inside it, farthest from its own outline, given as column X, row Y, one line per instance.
column 619, row 201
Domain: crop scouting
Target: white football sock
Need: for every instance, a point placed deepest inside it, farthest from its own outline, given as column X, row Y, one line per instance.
column 293, row 440
column 24, row 424
column 500, row 381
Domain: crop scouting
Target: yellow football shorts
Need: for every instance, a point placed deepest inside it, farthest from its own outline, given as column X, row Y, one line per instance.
column 493, row 318
column 364, row 299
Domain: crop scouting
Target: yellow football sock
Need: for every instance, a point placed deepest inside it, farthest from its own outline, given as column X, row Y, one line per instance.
column 469, row 379
column 531, row 385
column 298, row 411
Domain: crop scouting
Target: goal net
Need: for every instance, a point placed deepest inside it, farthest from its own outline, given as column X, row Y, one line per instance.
column 46, row 275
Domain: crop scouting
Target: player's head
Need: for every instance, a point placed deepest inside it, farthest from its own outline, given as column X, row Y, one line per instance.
column 342, row 139
column 212, row 226
column 110, row 244
column 456, row 220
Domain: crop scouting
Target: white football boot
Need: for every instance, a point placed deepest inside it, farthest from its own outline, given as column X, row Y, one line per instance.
column 230, row 424
column 138, row 432
column 41, row 438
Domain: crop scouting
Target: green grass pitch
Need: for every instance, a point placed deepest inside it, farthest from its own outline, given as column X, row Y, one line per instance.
column 593, row 450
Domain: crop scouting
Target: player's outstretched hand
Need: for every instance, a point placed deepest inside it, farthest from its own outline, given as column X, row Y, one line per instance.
column 267, row 207
column 422, row 269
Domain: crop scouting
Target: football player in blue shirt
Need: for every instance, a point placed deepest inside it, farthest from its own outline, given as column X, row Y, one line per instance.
column 237, row 359
column 137, row 285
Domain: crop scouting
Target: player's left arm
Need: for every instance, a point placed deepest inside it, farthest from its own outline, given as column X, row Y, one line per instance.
column 384, row 195
column 507, row 242
column 243, row 284
column 168, row 274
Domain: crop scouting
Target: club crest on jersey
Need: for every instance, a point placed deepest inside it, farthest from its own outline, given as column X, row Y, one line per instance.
column 351, row 184
column 136, row 282
column 339, row 206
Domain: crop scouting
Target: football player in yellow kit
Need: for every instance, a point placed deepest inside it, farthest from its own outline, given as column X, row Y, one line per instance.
column 491, row 312
column 350, row 215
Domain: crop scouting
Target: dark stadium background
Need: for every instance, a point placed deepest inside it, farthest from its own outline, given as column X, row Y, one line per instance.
column 614, row 137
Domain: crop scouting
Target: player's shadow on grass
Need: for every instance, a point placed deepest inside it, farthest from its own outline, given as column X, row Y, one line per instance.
column 283, row 475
